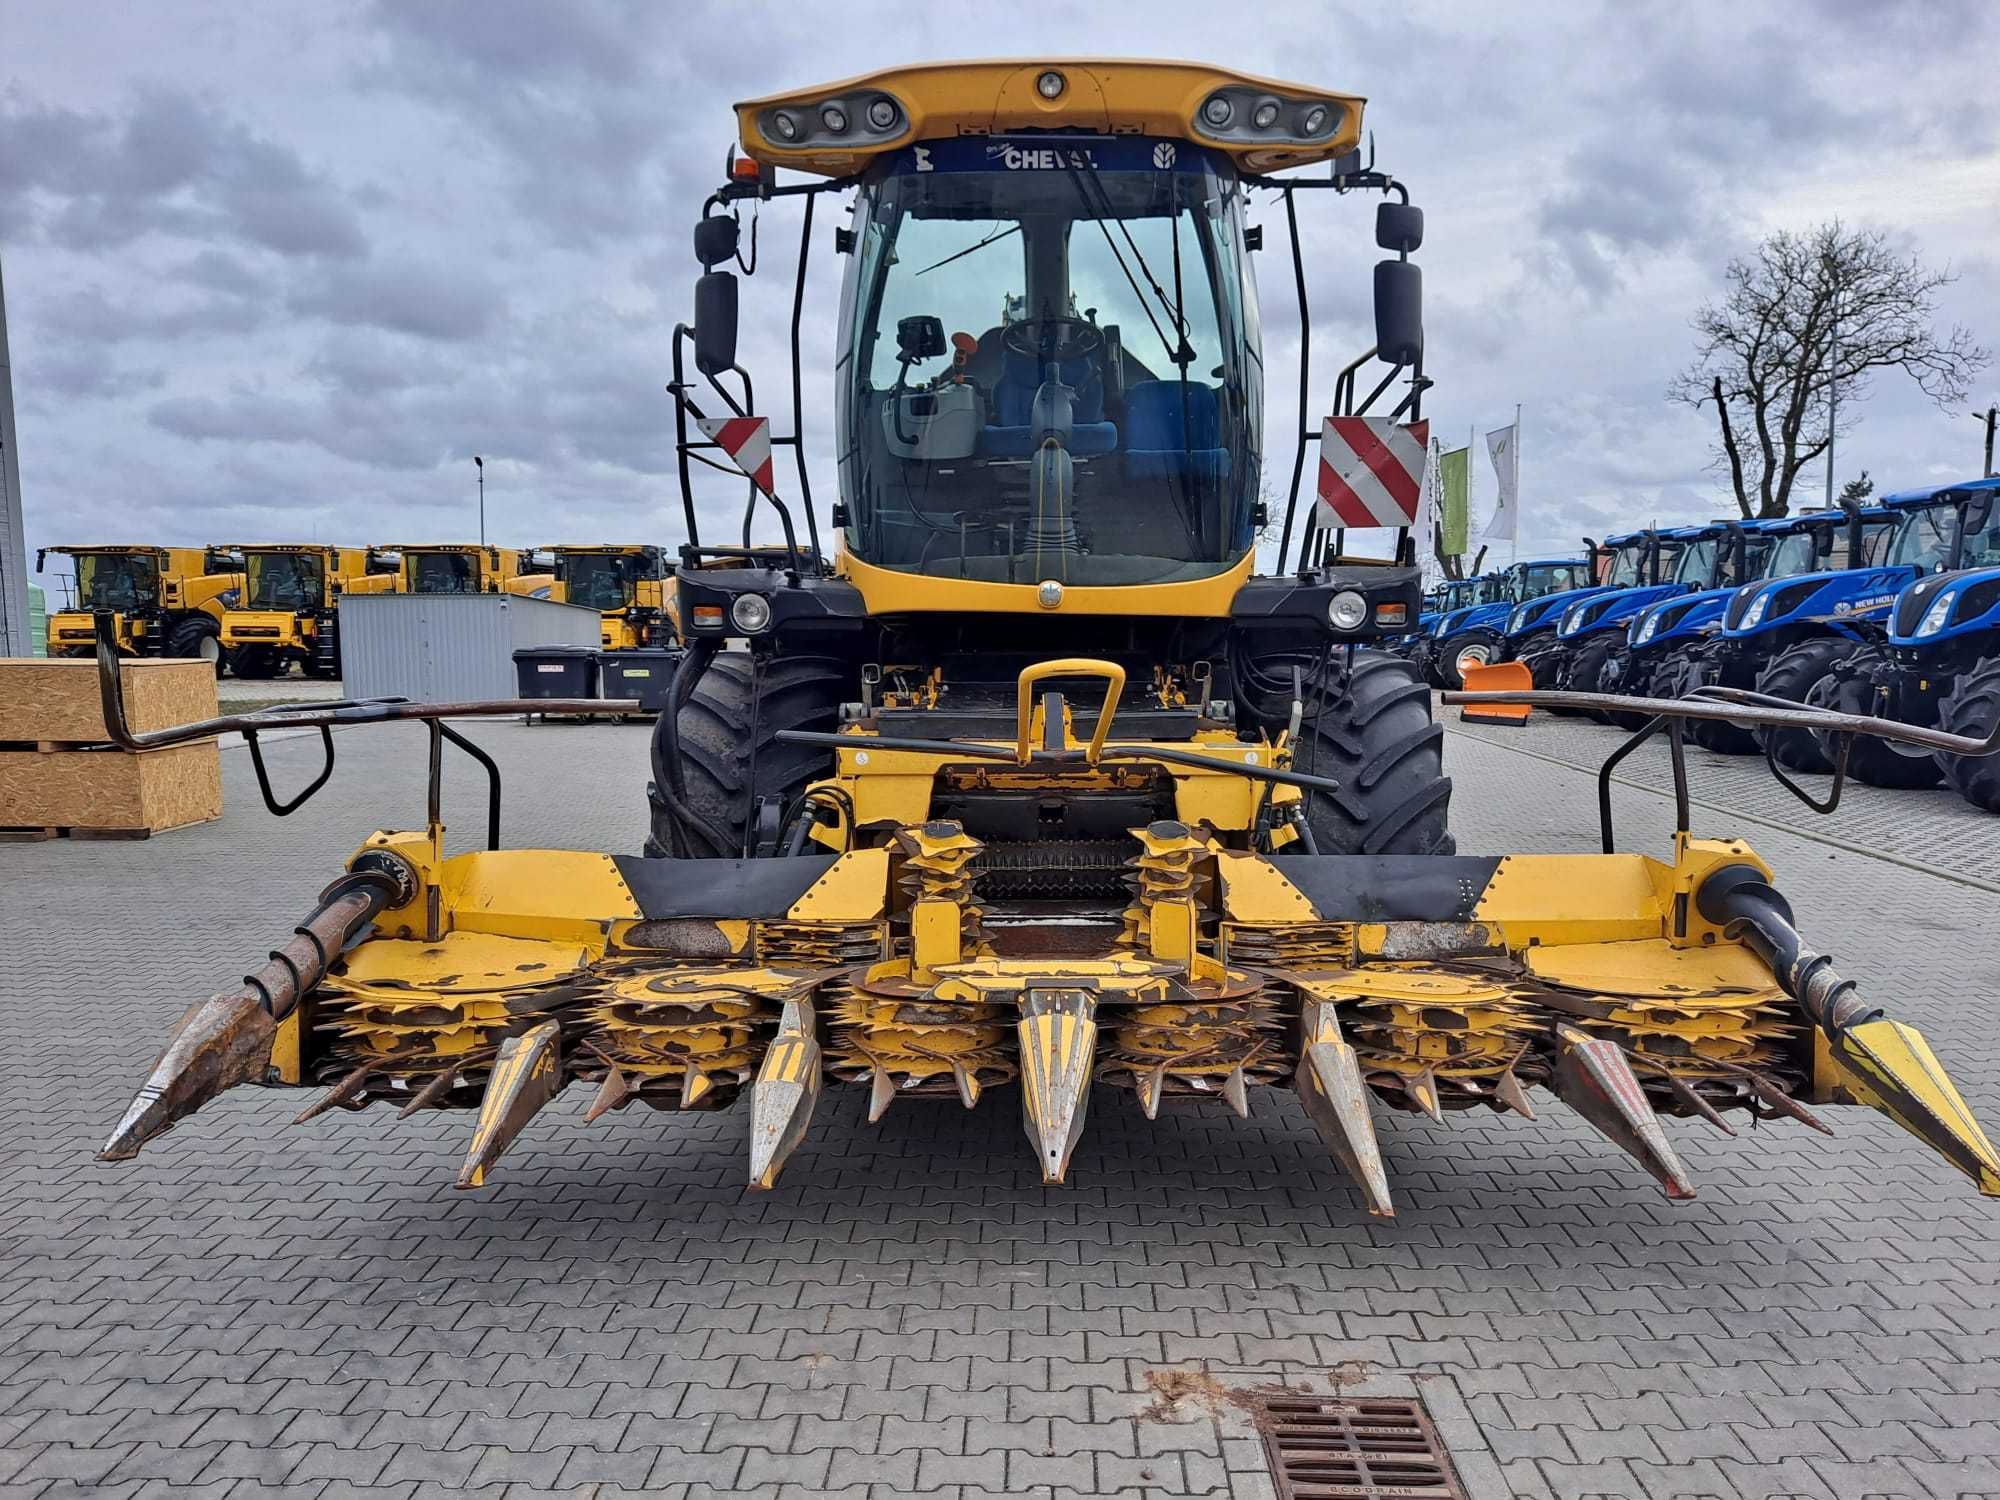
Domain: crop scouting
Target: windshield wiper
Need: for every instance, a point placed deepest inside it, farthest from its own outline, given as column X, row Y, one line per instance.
column 998, row 234
column 1177, row 348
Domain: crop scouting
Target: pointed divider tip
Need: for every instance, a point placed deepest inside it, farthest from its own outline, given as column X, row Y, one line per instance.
column 1593, row 1078
column 1335, row 1097
column 614, row 1091
column 785, row 1094
column 1893, row 1068
column 526, row 1075
column 1058, row 1037
column 223, row 1041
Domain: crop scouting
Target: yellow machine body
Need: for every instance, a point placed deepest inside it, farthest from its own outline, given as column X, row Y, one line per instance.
column 629, row 584
column 467, row 568
column 184, row 581
column 314, row 579
column 975, row 884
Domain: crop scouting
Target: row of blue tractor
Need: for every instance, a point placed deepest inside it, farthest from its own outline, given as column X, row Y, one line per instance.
column 1891, row 610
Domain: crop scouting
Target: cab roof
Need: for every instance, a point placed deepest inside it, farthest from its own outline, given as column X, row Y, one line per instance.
column 1903, row 499
column 1096, row 96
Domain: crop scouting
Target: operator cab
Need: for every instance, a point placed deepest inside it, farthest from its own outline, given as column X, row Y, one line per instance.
column 1049, row 362
column 1948, row 527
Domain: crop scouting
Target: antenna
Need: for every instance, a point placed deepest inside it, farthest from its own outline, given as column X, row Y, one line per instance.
column 480, row 464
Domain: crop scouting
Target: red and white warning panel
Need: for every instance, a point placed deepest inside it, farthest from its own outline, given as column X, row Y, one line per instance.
column 747, row 441
column 1371, row 471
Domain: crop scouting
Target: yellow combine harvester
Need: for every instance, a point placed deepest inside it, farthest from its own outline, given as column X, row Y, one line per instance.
column 1031, row 785
column 164, row 601
column 628, row 583
column 289, row 610
column 467, row 568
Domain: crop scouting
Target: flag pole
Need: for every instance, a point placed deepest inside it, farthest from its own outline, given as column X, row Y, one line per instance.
column 1514, row 543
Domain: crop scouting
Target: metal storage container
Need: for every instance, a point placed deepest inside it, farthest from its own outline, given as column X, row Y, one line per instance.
column 449, row 648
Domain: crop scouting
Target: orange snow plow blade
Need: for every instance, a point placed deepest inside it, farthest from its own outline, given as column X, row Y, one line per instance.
column 1499, row 677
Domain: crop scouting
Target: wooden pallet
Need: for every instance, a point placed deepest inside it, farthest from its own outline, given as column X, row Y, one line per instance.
column 43, row 835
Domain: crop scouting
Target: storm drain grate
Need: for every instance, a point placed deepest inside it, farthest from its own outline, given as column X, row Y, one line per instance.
column 1330, row 1448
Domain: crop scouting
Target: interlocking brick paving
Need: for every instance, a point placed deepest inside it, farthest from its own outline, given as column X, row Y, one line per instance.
column 257, row 1309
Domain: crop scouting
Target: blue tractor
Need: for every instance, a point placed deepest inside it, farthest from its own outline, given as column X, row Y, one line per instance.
column 1460, row 597
column 1448, row 594
column 1590, row 650
column 1938, row 663
column 1687, row 642
column 1478, row 634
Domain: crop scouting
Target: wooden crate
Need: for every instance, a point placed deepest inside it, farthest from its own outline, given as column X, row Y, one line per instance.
column 50, row 783
column 56, row 702
column 110, row 791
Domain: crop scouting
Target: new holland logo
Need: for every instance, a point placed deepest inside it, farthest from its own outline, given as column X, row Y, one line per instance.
column 1163, row 155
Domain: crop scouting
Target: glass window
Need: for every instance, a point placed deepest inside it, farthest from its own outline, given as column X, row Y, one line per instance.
column 117, row 580
column 1697, row 562
column 1798, row 552
column 1628, row 565
column 1924, row 540
column 1982, row 532
column 1049, row 364
column 442, row 573
column 283, row 580
column 598, row 580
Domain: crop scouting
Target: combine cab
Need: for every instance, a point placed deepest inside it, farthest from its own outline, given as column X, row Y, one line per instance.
column 1020, row 785
column 628, row 584
column 163, row 601
column 289, row 608
column 468, row 568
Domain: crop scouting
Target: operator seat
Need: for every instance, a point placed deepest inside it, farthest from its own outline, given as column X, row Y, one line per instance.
column 1159, row 447
column 1012, row 432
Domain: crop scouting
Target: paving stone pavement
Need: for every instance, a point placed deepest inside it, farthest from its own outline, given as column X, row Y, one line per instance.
column 254, row 1309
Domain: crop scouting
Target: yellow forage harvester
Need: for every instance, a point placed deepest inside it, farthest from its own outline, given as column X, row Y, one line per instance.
column 1020, row 783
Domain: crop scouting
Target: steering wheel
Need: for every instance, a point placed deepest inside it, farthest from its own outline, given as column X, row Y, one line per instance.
column 1059, row 340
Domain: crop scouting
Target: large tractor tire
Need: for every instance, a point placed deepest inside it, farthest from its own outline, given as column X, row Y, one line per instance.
column 1973, row 708
column 1588, row 664
column 1547, row 660
column 1684, row 670
column 197, row 637
column 1375, row 737
column 1793, row 673
column 1481, row 646
column 1850, row 689
column 730, row 752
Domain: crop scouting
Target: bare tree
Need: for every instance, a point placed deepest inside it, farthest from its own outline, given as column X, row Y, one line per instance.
column 1811, row 316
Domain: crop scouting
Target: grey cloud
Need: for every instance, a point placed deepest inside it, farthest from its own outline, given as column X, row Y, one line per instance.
column 170, row 163
column 428, row 300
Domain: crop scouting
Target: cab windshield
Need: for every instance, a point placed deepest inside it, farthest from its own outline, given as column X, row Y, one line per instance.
column 117, row 580
column 1539, row 580
column 441, row 573
column 283, row 580
column 1982, row 532
column 1628, row 566
column 1049, row 363
column 1800, row 552
column 598, row 580
column 1924, row 540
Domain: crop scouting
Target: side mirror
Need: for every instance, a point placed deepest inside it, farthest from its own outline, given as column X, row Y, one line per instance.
column 714, row 240
column 919, row 337
column 1399, row 312
column 1399, row 227
column 41, row 557
column 715, row 322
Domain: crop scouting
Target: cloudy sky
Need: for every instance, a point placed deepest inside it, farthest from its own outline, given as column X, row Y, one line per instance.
column 280, row 270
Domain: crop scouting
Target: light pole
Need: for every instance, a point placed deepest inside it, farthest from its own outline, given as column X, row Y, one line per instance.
column 1988, row 417
column 1832, row 392
column 480, row 464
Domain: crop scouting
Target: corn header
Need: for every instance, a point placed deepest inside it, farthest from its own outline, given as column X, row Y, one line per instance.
column 1021, row 790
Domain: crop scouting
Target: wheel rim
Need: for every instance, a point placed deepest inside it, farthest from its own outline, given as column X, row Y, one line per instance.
column 210, row 650
column 1478, row 656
